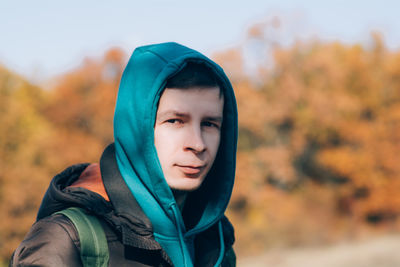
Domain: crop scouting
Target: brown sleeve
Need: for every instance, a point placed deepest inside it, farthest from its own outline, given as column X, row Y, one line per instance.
column 52, row 241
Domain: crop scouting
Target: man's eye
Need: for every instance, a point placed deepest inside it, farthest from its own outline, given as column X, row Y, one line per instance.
column 211, row 124
column 174, row 121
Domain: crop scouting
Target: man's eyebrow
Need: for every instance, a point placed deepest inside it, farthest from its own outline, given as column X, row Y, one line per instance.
column 168, row 113
column 214, row 118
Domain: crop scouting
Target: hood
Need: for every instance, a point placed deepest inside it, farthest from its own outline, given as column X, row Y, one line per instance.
column 59, row 196
column 142, row 84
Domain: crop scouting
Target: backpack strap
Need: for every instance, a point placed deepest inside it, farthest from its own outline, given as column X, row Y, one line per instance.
column 94, row 247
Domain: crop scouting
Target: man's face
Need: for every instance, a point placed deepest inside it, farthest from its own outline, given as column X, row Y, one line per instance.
column 187, row 134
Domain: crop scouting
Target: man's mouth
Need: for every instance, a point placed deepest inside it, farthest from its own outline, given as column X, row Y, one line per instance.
column 191, row 169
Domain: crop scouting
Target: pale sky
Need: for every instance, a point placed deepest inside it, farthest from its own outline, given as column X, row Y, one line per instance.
column 40, row 39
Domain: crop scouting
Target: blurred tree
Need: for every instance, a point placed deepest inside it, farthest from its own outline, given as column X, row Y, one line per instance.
column 319, row 135
column 318, row 143
column 44, row 131
column 23, row 136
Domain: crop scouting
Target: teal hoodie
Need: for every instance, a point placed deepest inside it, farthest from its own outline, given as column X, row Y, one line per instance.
column 142, row 84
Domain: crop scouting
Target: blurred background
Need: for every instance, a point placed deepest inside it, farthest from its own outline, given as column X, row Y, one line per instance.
column 318, row 91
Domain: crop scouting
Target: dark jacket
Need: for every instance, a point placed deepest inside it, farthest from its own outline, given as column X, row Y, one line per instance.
column 53, row 240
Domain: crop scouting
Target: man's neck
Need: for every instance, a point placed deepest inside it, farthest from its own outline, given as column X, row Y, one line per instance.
column 180, row 198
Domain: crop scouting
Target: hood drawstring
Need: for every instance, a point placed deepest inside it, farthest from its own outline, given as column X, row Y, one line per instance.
column 222, row 245
column 183, row 244
column 181, row 238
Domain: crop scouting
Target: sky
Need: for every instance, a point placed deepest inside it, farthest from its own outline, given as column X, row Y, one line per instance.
column 41, row 39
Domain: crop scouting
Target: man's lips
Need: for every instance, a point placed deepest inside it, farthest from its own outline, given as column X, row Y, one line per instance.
column 191, row 169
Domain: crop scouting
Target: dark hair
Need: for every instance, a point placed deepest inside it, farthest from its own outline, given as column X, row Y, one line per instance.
column 194, row 75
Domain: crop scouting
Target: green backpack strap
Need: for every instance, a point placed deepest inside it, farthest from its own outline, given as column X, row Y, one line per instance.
column 94, row 247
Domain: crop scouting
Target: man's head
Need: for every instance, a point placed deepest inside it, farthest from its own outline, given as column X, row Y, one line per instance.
column 150, row 150
column 188, row 126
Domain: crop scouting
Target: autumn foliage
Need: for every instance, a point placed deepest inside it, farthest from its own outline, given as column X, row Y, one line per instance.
column 319, row 141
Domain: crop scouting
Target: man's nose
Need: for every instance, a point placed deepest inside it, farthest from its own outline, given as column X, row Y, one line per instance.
column 194, row 140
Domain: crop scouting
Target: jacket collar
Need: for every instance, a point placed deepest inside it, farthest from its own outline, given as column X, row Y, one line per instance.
column 122, row 212
column 136, row 228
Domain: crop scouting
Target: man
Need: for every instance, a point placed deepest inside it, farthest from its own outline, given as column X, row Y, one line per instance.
column 161, row 190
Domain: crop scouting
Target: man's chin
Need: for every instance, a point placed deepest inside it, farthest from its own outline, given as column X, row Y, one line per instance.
column 186, row 187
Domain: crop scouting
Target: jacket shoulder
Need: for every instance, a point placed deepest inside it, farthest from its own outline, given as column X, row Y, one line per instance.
column 51, row 241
